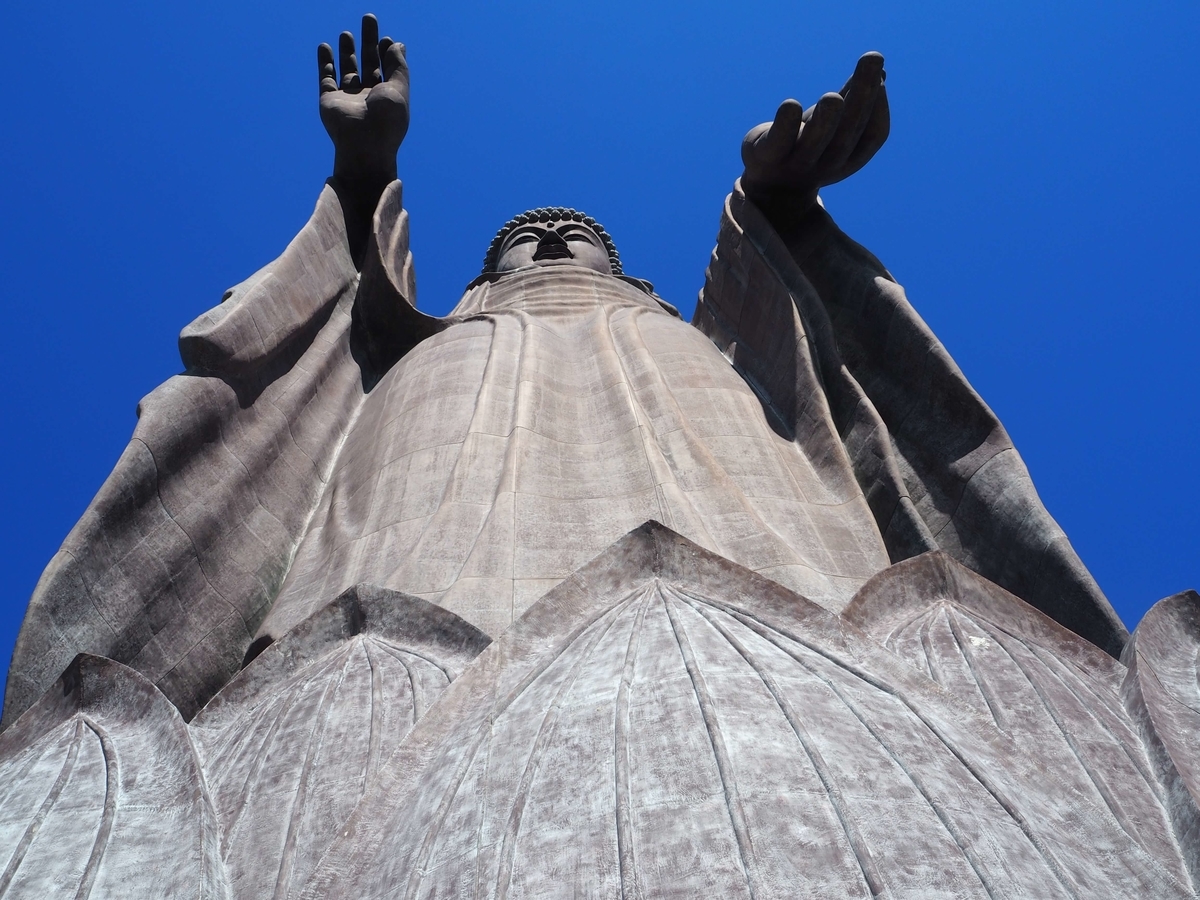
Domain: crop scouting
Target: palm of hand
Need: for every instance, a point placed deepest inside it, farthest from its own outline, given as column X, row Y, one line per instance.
column 800, row 152
column 366, row 116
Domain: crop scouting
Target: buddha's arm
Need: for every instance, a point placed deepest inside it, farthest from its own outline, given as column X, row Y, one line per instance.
column 787, row 292
column 366, row 116
column 966, row 481
column 180, row 554
column 935, row 465
column 360, row 224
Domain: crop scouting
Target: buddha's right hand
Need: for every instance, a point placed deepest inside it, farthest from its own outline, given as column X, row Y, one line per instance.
column 365, row 114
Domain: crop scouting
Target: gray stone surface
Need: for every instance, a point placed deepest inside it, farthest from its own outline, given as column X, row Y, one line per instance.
column 858, row 659
column 831, row 343
column 662, row 723
column 667, row 723
column 101, row 794
column 106, row 791
column 1162, row 691
column 561, row 409
column 556, row 409
column 1058, row 696
column 176, row 561
column 291, row 744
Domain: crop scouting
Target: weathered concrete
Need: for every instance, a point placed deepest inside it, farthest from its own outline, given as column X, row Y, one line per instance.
column 101, row 794
column 291, row 744
column 860, row 659
column 667, row 723
column 176, row 561
column 556, row 409
column 1162, row 692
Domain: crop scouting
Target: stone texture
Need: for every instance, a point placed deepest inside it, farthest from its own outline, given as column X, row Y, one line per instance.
column 832, row 345
column 1162, row 691
column 667, row 723
column 562, row 409
column 1058, row 696
column 104, row 791
column 859, row 659
column 176, row 561
column 290, row 745
column 101, row 794
column 327, row 433
column 662, row 723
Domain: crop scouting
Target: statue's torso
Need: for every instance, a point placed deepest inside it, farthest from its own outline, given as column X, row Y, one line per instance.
column 563, row 409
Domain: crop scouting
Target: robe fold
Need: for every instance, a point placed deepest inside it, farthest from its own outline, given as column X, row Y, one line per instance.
column 325, row 433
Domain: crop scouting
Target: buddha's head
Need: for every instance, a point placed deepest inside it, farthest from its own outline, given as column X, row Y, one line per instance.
column 552, row 237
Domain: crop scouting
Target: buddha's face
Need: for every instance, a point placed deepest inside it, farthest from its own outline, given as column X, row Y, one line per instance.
column 554, row 243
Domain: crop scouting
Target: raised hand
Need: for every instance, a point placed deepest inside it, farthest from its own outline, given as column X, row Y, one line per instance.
column 366, row 114
column 788, row 160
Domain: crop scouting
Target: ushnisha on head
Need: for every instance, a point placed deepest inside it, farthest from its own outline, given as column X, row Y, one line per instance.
column 552, row 236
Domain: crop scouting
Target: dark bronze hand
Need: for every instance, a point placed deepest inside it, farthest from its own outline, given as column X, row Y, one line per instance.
column 366, row 115
column 788, row 160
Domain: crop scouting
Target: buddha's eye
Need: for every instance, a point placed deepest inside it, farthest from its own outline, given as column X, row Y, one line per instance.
column 526, row 238
column 578, row 236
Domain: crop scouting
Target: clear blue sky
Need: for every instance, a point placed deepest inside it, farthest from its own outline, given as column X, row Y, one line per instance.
column 1038, row 199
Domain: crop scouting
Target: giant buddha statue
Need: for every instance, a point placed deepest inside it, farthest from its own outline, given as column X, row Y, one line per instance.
column 561, row 595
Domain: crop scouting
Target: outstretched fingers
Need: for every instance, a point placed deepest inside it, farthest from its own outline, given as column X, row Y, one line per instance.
column 879, row 125
column 382, row 60
column 819, row 130
column 372, row 73
column 869, row 65
column 326, row 73
column 859, row 94
column 779, row 139
column 351, row 83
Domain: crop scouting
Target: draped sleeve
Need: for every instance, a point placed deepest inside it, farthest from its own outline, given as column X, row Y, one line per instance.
column 181, row 553
column 934, row 463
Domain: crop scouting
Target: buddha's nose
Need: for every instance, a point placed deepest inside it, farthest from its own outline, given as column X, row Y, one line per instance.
column 552, row 246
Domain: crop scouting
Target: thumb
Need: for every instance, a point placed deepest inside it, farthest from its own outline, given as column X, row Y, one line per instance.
column 395, row 61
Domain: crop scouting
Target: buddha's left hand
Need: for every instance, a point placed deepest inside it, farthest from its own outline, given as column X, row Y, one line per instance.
column 788, row 160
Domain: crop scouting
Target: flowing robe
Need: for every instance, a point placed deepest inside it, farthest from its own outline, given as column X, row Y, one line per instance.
column 563, row 409
column 326, row 433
